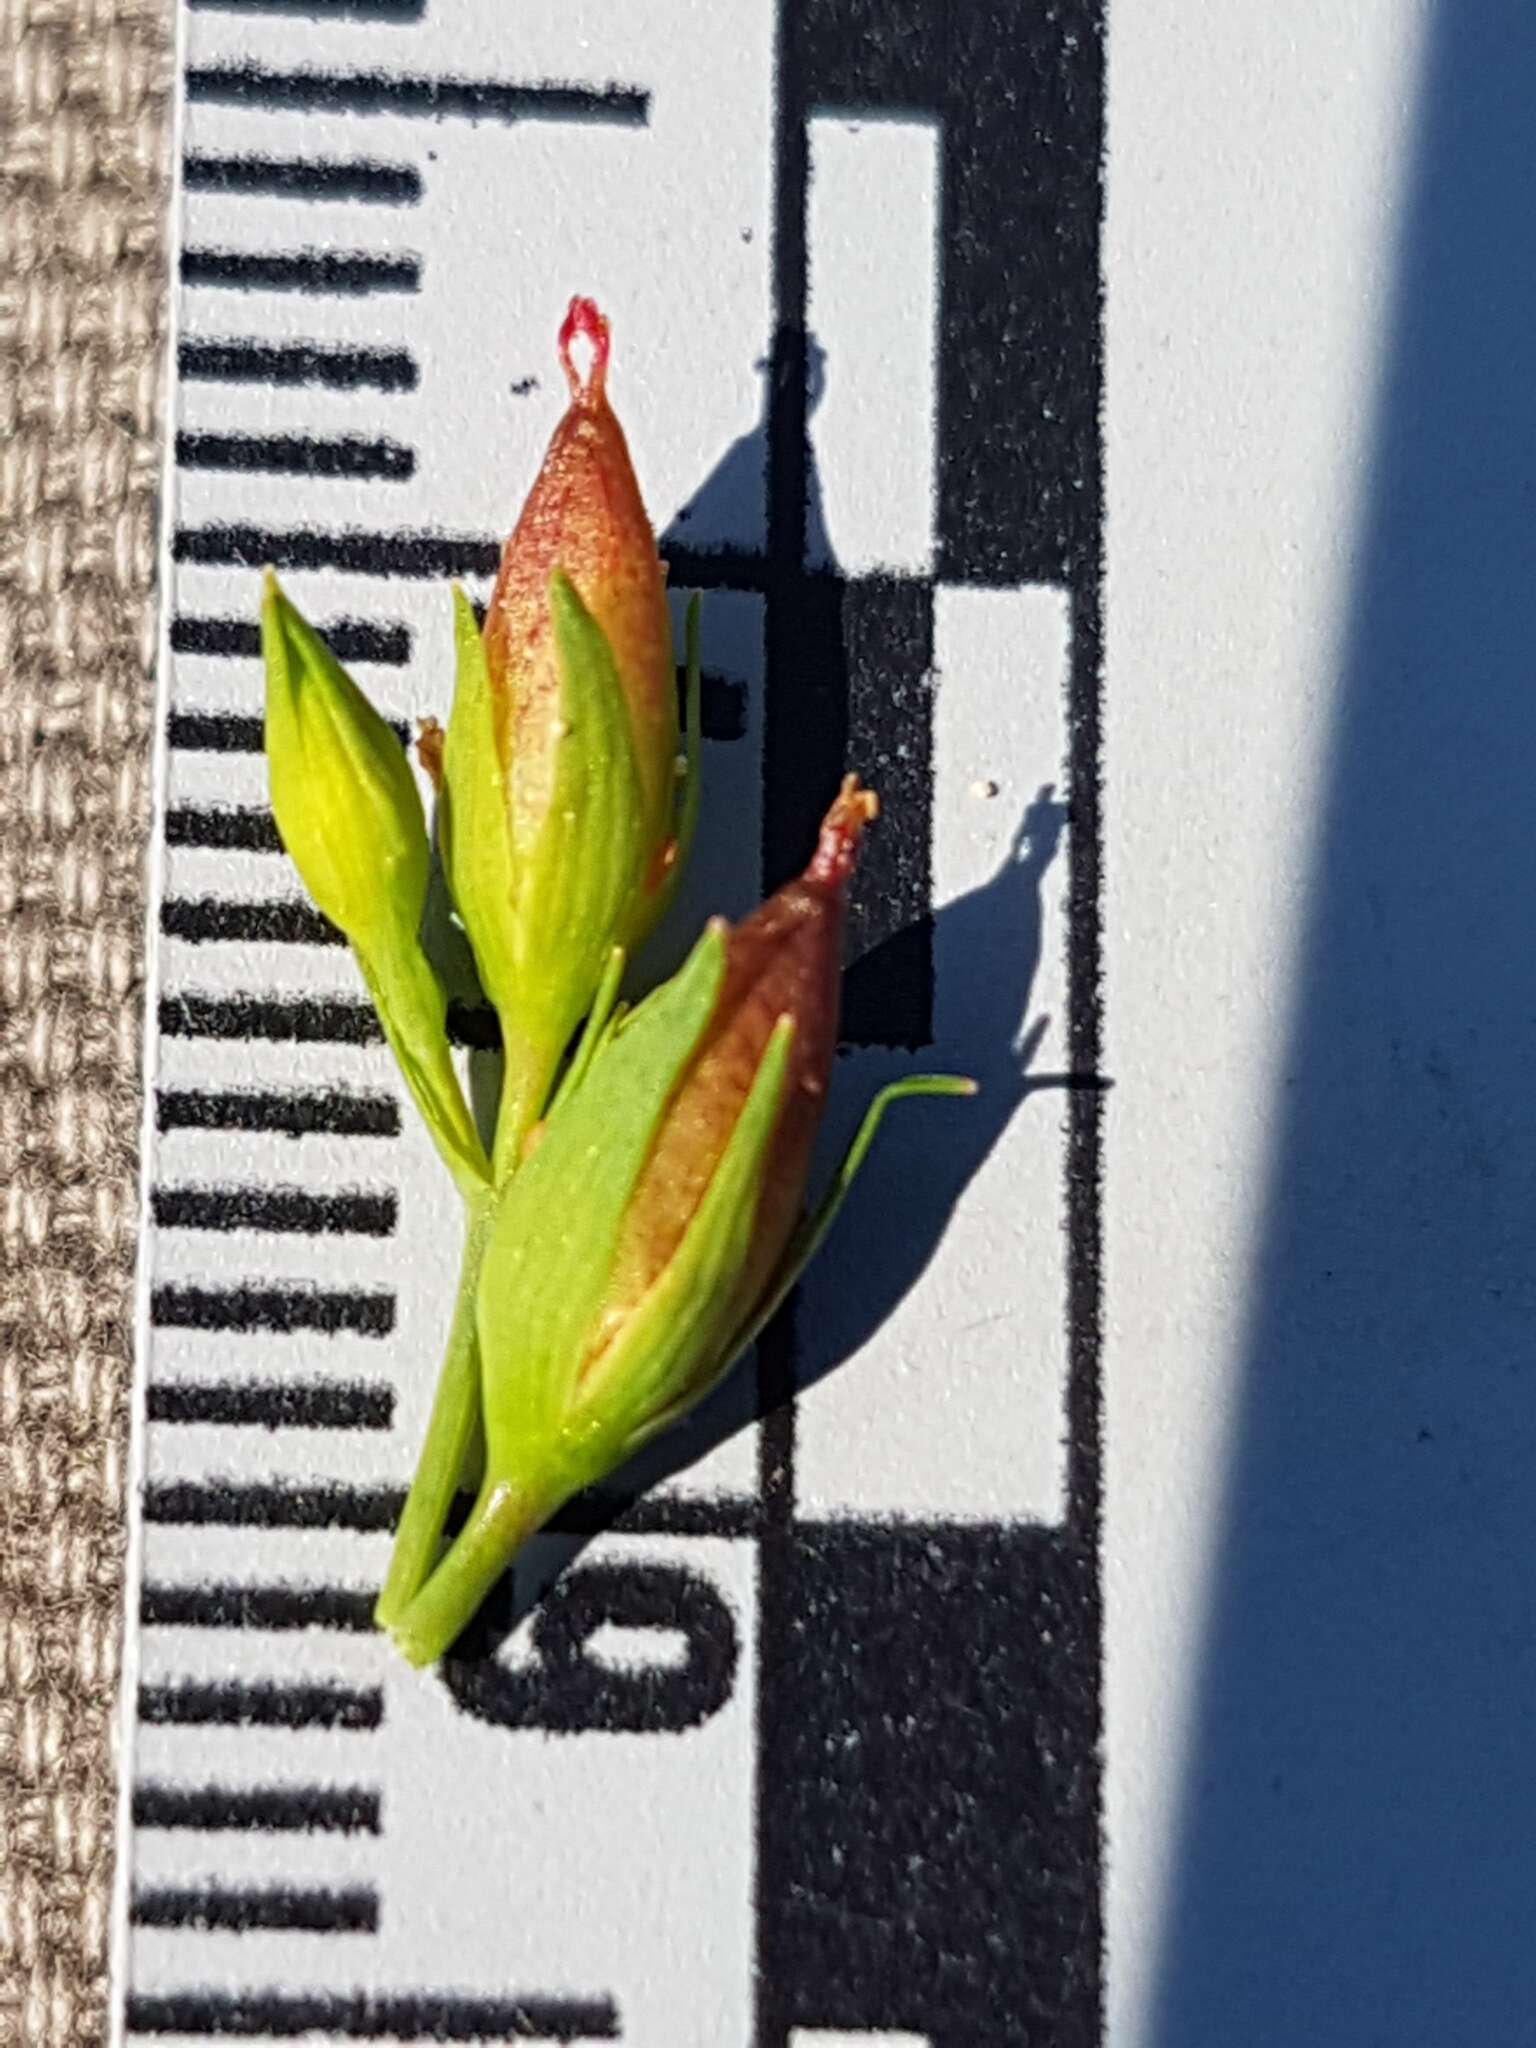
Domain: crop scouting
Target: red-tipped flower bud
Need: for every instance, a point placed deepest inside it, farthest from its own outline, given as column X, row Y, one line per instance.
column 560, row 763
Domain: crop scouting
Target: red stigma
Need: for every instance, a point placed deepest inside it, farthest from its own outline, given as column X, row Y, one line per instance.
column 837, row 849
column 582, row 318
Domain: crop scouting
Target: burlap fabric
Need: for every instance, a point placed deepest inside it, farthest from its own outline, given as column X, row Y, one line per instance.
column 83, row 132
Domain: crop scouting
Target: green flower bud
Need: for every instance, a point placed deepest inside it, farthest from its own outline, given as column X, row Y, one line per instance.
column 349, row 814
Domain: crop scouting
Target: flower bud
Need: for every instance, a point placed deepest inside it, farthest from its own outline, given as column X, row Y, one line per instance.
column 349, row 813
column 343, row 797
column 633, row 1253
column 560, row 758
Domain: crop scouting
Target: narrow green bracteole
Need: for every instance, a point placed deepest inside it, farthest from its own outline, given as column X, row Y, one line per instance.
column 350, row 815
column 605, row 1014
column 809, row 1238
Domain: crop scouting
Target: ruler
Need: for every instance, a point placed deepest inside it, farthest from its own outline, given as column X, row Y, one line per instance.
column 790, row 1737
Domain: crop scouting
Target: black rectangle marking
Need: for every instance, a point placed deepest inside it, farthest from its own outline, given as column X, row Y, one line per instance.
column 343, row 455
column 304, row 178
column 238, row 639
column 277, row 1211
column 289, row 1810
column 267, row 1908
column 231, row 1704
column 273, row 1404
column 362, row 2016
column 416, row 557
column 209, row 920
column 257, row 1607
column 330, row 1112
column 222, row 828
column 322, row 273
column 387, row 92
column 226, row 1504
column 306, row 1020
column 319, row 10
column 929, row 1850
column 233, row 361
column 274, row 1311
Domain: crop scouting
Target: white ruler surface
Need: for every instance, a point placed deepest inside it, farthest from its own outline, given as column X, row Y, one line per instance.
column 800, row 1745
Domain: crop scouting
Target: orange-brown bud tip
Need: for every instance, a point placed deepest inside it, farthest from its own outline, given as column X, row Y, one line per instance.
column 837, row 849
column 584, row 321
column 429, row 749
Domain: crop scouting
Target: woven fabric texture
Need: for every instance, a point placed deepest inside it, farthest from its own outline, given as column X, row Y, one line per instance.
column 84, row 103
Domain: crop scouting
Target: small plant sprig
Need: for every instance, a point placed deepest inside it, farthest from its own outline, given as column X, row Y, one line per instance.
column 637, row 1213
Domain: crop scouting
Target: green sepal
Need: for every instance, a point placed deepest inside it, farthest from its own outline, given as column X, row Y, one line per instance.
column 587, row 862
column 555, row 1230
column 477, row 842
column 662, row 1360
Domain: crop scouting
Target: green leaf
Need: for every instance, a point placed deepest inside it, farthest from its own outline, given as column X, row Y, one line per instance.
column 556, row 1226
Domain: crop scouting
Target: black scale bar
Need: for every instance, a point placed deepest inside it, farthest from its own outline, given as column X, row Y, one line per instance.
column 231, row 1704
column 423, row 555
column 304, row 1020
column 319, row 10
column 385, row 92
column 292, row 1810
column 276, row 1211
column 418, row 557
column 213, row 732
column 322, row 273
column 211, row 920
column 261, row 362
column 350, row 178
column 333, row 1112
column 268, row 1908
column 344, row 1608
column 346, row 455
column 225, row 1504
column 362, row 2016
column 274, row 1311
column 273, row 1404
column 222, row 829
column 228, row 1504
column 239, row 639
column 226, row 732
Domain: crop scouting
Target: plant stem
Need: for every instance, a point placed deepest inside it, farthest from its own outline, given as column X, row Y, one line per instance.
column 502, row 1518
column 451, row 1432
